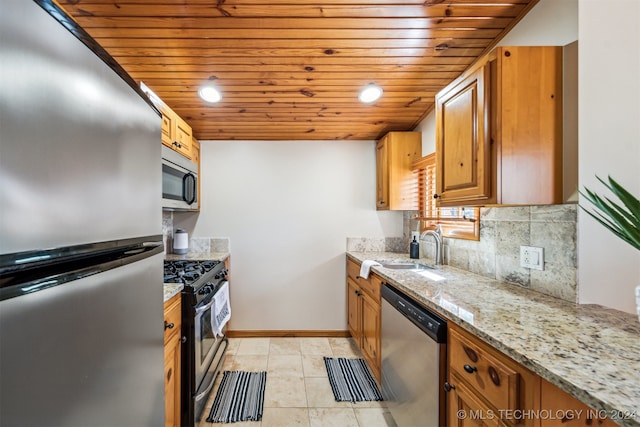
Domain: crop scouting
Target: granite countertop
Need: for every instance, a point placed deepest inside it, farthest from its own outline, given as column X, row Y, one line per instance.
column 590, row 351
column 170, row 289
column 199, row 256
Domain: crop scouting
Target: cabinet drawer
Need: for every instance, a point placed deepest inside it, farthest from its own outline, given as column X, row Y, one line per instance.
column 371, row 285
column 353, row 269
column 484, row 372
column 172, row 316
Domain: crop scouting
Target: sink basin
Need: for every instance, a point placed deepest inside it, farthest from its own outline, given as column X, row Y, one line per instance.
column 405, row 265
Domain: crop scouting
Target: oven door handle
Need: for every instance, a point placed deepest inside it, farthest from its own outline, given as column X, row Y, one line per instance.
column 205, row 393
column 200, row 310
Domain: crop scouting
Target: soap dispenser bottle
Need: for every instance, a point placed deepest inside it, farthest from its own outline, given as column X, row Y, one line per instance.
column 414, row 249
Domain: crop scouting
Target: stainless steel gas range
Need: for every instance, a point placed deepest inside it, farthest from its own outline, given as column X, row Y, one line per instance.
column 203, row 349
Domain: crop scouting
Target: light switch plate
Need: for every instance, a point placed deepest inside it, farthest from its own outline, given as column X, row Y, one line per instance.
column 532, row 257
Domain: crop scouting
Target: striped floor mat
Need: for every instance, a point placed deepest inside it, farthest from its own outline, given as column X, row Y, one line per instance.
column 351, row 380
column 240, row 397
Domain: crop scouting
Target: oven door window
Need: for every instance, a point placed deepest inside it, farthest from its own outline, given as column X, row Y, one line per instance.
column 207, row 339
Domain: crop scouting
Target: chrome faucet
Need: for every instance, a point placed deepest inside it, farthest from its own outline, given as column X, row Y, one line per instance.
column 437, row 236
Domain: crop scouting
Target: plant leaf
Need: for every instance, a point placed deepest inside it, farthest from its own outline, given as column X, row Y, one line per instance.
column 631, row 202
column 622, row 220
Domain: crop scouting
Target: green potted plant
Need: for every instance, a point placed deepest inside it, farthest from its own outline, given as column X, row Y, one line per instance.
column 622, row 218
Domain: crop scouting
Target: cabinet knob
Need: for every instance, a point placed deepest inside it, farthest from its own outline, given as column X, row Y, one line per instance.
column 448, row 387
column 470, row 369
column 436, row 196
column 183, row 339
column 168, row 325
column 381, row 202
column 495, row 377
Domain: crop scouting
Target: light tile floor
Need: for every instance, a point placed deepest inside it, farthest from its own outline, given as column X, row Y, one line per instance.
column 298, row 392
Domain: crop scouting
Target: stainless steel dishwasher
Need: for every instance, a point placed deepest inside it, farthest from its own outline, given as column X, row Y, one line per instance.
column 413, row 361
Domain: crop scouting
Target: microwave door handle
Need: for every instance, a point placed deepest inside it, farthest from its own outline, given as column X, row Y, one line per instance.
column 188, row 188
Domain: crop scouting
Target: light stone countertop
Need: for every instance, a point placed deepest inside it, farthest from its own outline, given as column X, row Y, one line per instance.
column 590, row 351
column 199, row 256
column 171, row 289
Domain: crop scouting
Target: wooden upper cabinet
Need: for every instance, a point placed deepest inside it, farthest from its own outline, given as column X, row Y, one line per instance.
column 176, row 133
column 395, row 183
column 499, row 130
column 463, row 146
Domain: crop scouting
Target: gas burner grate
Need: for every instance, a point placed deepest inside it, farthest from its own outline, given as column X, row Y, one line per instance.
column 186, row 272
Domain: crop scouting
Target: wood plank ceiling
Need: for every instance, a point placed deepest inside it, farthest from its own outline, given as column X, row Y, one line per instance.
column 292, row 69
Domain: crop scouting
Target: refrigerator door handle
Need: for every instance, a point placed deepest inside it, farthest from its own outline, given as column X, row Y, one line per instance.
column 26, row 272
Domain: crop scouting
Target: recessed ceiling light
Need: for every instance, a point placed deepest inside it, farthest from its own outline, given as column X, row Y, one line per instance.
column 210, row 94
column 370, row 93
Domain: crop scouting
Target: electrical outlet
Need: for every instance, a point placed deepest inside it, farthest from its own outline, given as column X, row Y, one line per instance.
column 415, row 235
column 532, row 257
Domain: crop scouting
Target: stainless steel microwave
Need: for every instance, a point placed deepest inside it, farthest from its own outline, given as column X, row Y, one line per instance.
column 179, row 181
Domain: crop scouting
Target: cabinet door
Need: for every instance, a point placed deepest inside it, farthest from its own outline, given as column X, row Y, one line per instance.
column 354, row 317
column 463, row 159
column 172, row 382
column 195, row 151
column 466, row 410
column 183, row 137
column 529, row 124
column 568, row 411
column 371, row 332
column 382, row 174
column 172, row 365
column 168, row 126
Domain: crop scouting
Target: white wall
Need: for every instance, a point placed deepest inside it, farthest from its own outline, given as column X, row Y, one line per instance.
column 428, row 128
column 609, row 132
column 549, row 23
column 288, row 207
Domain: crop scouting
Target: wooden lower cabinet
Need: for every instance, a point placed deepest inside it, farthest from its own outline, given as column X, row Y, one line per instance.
column 172, row 366
column 371, row 332
column 466, row 409
column 364, row 314
column 487, row 388
column 561, row 409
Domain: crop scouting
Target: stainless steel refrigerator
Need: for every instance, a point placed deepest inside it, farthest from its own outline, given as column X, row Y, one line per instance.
column 81, row 301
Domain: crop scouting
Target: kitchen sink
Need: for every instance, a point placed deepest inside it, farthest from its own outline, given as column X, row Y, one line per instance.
column 404, row 265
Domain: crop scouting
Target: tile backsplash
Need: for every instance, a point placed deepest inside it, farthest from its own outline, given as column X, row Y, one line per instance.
column 196, row 244
column 497, row 255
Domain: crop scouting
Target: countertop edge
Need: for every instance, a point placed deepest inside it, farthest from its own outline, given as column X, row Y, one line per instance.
column 171, row 289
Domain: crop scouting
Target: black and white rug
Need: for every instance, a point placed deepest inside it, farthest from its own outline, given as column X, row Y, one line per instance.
column 351, row 380
column 240, row 397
